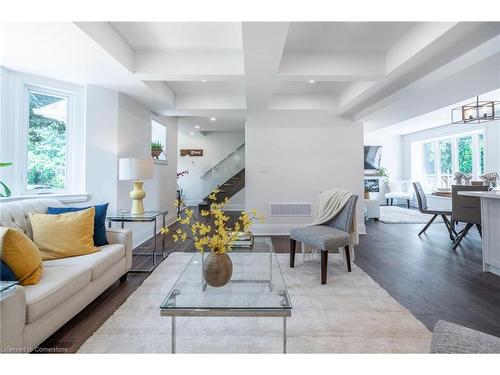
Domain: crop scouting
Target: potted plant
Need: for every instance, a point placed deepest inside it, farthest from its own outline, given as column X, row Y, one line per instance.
column 382, row 172
column 156, row 149
column 213, row 234
column 6, row 191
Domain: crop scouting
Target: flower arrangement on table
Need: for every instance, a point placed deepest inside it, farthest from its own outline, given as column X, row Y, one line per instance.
column 215, row 235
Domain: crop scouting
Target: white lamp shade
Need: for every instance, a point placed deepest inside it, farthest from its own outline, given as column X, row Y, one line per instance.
column 135, row 169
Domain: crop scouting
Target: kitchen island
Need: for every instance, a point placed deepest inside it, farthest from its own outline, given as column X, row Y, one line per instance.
column 490, row 223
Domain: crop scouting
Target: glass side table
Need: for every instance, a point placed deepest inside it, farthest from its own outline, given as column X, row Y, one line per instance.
column 146, row 217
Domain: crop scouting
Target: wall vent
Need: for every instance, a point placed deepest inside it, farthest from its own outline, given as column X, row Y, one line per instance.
column 291, row 209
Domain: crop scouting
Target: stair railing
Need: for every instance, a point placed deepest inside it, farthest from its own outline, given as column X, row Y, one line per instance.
column 223, row 170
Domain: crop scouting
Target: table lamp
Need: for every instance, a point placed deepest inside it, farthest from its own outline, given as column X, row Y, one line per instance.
column 137, row 170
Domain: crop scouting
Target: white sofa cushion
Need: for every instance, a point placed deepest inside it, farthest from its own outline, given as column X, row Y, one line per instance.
column 98, row 262
column 57, row 284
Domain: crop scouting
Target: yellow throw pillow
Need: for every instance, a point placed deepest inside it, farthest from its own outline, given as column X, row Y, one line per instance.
column 64, row 235
column 21, row 255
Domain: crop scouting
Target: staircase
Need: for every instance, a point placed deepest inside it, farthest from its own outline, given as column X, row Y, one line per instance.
column 228, row 176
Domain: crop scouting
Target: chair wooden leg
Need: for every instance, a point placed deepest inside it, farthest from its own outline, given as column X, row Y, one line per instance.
column 293, row 244
column 480, row 230
column 348, row 258
column 392, row 201
column 387, row 202
column 324, row 265
column 408, row 203
column 427, row 225
column 448, row 227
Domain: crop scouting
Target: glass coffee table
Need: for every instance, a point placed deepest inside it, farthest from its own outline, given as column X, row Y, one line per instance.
column 256, row 289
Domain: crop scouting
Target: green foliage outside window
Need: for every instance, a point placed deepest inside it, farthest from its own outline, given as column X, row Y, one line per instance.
column 465, row 154
column 46, row 146
column 445, row 155
column 481, row 153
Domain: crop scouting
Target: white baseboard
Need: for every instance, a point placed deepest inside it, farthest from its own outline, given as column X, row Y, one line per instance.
column 234, row 207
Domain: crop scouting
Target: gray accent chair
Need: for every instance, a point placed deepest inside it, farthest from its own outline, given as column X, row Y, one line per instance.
column 449, row 338
column 329, row 236
column 466, row 210
column 423, row 208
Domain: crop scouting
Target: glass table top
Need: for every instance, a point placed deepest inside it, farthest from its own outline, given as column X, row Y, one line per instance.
column 127, row 216
column 256, row 283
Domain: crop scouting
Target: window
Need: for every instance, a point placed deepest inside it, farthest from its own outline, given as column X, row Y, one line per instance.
column 158, row 140
column 445, row 162
column 434, row 162
column 430, row 158
column 465, row 154
column 481, row 153
column 44, row 136
column 47, row 141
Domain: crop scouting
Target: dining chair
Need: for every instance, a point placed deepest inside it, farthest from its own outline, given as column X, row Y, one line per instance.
column 329, row 236
column 465, row 210
column 423, row 208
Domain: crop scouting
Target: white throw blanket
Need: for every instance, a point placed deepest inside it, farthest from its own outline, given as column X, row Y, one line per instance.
column 330, row 203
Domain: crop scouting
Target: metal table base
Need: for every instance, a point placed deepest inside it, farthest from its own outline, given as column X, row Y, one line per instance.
column 154, row 253
column 225, row 313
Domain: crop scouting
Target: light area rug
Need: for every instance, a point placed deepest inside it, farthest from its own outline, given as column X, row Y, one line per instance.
column 351, row 314
column 399, row 215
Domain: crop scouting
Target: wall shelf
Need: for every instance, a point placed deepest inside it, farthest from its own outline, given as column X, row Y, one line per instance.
column 160, row 162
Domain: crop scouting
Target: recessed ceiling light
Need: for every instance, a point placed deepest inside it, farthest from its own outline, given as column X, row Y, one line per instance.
column 197, row 126
column 203, row 80
column 312, row 81
column 212, row 119
column 191, row 133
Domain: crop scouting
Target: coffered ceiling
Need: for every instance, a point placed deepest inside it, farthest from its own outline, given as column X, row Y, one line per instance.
column 231, row 70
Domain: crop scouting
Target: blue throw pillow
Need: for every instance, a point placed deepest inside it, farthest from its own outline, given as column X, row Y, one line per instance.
column 99, row 220
column 6, row 273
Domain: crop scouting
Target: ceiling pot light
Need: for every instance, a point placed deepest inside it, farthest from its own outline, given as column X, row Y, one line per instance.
column 197, row 126
column 203, row 80
column 212, row 119
column 312, row 81
column 191, row 133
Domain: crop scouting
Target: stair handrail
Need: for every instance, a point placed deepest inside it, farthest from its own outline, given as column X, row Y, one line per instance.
column 220, row 162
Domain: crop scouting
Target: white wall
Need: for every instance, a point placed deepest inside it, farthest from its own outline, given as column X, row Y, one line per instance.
column 216, row 146
column 134, row 140
column 291, row 159
column 101, row 158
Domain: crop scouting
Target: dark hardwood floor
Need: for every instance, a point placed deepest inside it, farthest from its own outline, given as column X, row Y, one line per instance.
column 422, row 273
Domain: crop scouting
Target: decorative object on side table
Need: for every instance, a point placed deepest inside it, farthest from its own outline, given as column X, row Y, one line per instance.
column 490, row 179
column 156, row 149
column 382, row 172
column 6, row 191
column 367, row 193
column 217, row 267
column 462, row 178
column 137, row 170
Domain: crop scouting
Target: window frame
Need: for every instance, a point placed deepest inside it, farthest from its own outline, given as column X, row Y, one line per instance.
column 18, row 134
column 164, row 142
column 453, row 138
column 23, row 141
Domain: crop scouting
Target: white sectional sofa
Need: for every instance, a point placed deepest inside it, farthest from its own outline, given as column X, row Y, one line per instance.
column 30, row 314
